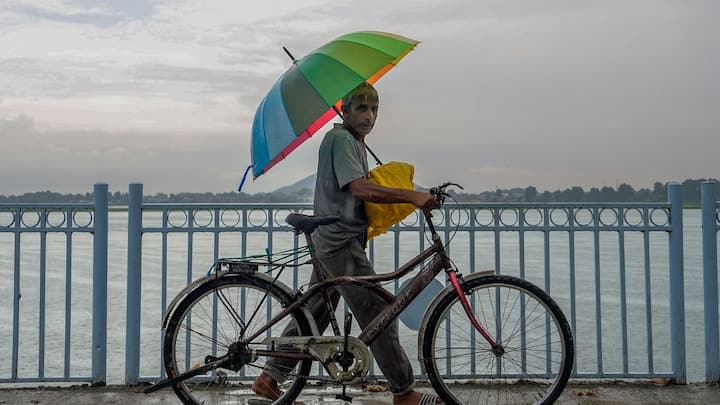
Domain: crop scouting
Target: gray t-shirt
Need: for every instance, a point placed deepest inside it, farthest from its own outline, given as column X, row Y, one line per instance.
column 342, row 159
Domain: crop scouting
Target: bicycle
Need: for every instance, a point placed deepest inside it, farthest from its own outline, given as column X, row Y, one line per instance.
column 505, row 334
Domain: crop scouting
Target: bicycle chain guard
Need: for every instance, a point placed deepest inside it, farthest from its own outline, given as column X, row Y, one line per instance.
column 327, row 350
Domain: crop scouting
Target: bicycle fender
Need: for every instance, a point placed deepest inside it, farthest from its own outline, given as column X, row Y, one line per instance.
column 209, row 278
column 444, row 293
column 182, row 294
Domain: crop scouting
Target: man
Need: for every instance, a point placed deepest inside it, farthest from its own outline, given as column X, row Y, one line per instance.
column 341, row 189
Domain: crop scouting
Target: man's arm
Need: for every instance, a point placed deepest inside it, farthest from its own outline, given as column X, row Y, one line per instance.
column 368, row 191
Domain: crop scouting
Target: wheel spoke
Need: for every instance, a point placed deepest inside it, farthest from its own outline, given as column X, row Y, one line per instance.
column 231, row 310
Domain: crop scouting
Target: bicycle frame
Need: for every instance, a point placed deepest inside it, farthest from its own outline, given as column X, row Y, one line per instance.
column 343, row 350
column 397, row 303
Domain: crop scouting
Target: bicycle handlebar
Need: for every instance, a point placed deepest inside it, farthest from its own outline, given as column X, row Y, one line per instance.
column 440, row 193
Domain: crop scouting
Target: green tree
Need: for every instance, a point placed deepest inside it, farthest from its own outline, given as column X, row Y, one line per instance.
column 574, row 194
column 607, row 193
column 531, row 193
column 659, row 192
column 691, row 190
column 625, row 192
column 593, row 195
column 644, row 194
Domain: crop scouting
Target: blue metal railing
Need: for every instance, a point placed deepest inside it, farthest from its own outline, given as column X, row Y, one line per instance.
column 188, row 220
column 615, row 269
column 710, row 226
column 23, row 220
column 677, row 284
column 588, row 227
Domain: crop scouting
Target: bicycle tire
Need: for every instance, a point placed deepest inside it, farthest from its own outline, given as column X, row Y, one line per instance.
column 190, row 316
column 524, row 319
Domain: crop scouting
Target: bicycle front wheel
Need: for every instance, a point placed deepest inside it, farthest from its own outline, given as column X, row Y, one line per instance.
column 216, row 315
column 535, row 355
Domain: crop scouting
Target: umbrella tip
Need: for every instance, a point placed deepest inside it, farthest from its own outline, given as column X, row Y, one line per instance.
column 289, row 54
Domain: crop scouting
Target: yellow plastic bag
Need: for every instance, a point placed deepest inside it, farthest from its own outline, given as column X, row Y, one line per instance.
column 383, row 216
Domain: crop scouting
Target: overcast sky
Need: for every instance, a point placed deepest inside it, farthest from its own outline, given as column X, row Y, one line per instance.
column 500, row 93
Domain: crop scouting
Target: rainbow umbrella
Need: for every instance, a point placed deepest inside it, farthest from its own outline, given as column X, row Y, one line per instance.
column 309, row 94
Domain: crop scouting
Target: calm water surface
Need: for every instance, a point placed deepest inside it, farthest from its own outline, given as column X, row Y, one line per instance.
column 183, row 266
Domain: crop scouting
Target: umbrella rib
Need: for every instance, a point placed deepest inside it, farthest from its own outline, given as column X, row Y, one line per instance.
column 358, row 75
column 393, row 59
column 356, row 43
column 409, row 48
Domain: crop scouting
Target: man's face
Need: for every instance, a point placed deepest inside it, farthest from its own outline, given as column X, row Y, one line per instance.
column 361, row 115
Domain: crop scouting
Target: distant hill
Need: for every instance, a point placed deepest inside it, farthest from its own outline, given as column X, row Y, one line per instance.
column 306, row 185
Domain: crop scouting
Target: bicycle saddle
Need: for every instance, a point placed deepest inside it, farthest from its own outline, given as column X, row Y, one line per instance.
column 307, row 223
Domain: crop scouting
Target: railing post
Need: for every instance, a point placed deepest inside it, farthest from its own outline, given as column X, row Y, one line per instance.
column 134, row 284
column 99, row 296
column 677, row 284
column 710, row 282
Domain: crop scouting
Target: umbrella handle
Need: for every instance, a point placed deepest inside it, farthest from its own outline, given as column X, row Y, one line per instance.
column 242, row 182
column 377, row 161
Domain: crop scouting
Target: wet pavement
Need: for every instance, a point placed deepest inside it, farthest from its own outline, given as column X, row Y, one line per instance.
column 585, row 393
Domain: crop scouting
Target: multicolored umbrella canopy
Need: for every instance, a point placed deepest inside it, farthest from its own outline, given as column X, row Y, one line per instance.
column 307, row 95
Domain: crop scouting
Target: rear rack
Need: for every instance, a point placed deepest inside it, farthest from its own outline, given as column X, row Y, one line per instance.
column 270, row 261
column 237, row 266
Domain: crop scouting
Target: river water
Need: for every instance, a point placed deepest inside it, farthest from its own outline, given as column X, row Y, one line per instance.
column 230, row 245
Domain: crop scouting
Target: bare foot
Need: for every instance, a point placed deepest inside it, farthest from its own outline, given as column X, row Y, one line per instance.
column 266, row 387
column 411, row 398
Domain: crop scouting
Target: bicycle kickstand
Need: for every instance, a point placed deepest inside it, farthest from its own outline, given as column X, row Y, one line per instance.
column 348, row 324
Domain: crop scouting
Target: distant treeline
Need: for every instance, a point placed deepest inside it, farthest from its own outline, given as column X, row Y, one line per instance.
column 121, row 198
column 624, row 192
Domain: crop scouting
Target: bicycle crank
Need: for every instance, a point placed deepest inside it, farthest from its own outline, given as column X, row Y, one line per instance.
column 344, row 367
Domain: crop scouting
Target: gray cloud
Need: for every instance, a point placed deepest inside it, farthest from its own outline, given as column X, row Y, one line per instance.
column 74, row 161
column 201, row 87
column 100, row 13
column 25, row 77
column 499, row 93
column 230, row 80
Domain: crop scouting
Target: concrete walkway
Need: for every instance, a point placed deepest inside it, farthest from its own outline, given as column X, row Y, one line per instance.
column 585, row 393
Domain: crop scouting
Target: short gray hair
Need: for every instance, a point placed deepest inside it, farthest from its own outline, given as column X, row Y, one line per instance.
column 362, row 91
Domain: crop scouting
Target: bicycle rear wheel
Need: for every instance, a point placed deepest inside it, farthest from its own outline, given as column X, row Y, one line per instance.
column 537, row 353
column 218, row 313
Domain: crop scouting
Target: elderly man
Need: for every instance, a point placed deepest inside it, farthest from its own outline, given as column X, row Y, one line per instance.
column 341, row 189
